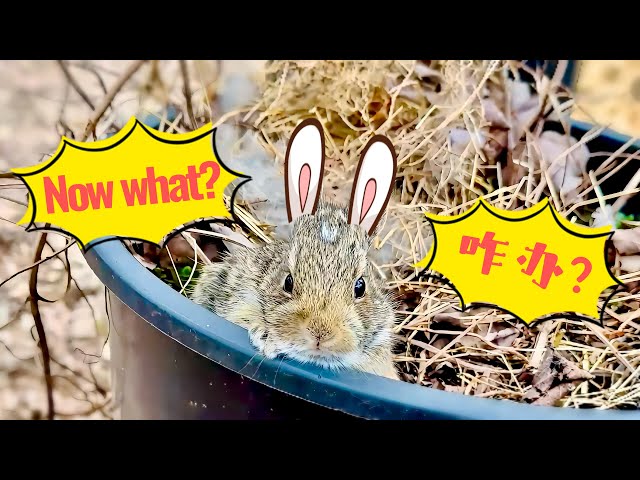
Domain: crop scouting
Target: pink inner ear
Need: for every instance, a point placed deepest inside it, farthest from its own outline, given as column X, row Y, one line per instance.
column 369, row 196
column 304, row 183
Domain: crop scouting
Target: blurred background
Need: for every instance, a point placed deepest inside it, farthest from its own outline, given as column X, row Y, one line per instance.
column 38, row 104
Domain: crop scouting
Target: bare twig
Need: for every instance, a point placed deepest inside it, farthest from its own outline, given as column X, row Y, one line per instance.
column 74, row 83
column 106, row 101
column 187, row 92
column 39, row 260
column 34, row 296
column 16, row 315
column 37, row 318
column 134, row 67
column 79, row 374
column 93, row 69
column 13, row 200
column 93, row 409
column 12, row 353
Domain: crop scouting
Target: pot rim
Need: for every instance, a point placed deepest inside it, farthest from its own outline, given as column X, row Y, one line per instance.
column 356, row 393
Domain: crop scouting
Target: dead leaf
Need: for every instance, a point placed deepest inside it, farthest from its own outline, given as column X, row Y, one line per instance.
column 497, row 140
column 565, row 173
column 471, row 341
column 436, row 384
column 566, row 369
column 633, row 288
column 503, row 337
column 627, row 241
column 554, row 379
column 614, row 334
column 414, row 93
column 150, row 252
column 520, row 94
column 630, row 264
column 493, row 114
column 482, row 386
column 451, row 317
column 181, row 252
column 434, row 98
column 513, row 172
column 525, row 108
column 440, row 343
column 459, row 139
column 454, row 388
column 424, row 71
column 612, row 254
column 145, row 262
column 554, row 395
column 526, row 376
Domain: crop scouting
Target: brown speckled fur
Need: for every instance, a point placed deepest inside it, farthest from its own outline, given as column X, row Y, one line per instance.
column 325, row 256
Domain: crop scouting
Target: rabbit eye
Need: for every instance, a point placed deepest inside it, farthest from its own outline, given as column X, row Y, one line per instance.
column 288, row 284
column 359, row 288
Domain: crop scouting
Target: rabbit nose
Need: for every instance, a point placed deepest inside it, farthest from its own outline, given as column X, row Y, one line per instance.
column 320, row 337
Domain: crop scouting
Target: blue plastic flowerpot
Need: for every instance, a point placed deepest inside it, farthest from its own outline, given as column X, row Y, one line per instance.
column 173, row 359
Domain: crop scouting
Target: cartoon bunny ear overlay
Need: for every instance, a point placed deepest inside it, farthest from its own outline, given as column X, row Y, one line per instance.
column 374, row 182
column 304, row 167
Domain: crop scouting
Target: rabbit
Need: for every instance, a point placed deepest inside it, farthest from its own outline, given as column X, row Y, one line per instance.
column 315, row 298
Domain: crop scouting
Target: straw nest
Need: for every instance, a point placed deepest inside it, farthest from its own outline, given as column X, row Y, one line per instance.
column 462, row 130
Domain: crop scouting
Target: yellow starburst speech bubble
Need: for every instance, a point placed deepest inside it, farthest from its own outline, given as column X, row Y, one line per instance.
column 531, row 263
column 138, row 184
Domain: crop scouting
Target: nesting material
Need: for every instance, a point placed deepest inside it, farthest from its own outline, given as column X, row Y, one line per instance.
column 462, row 130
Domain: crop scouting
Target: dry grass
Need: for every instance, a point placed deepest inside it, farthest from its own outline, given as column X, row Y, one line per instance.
column 462, row 130
column 483, row 352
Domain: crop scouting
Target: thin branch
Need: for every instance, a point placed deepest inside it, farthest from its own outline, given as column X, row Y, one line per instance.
column 106, row 340
column 88, row 65
column 82, row 294
column 18, row 202
column 42, row 337
column 79, row 374
column 106, row 101
column 67, row 130
column 34, row 296
column 10, row 221
column 39, row 260
column 66, row 265
column 93, row 409
column 187, row 93
column 94, row 70
column 13, row 354
column 75, row 84
column 33, row 281
column 16, row 315
column 91, row 68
